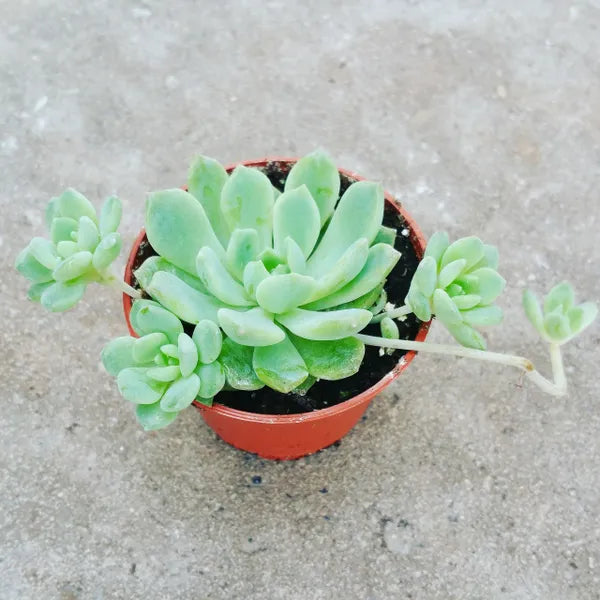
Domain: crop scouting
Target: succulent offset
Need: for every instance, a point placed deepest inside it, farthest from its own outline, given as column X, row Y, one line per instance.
column 80, row 250
column 458, row 283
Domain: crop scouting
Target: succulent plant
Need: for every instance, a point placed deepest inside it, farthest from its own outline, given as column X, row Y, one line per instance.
column 285, row 276
column 80, row 250
column 458, row 283
column 164, row 370
column 560, row 319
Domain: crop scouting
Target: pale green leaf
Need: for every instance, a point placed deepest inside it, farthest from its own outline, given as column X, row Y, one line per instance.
column 389, row 329
column 281, row 293
column 581, row 316
column 295, row 257
column 483, row 316
column 445, row 310
column 110, row 216
column 180, row 394
column 148, row 346
column 208, row 339
column 484, row 282
column 44, row 252
column 247, row 202
column 212, row 379
column 237, row 365
column 358, row 215
column 148, row 317
column 254, row 327
column 450, row 272
column 152, row 417
column 206, row 179
column 74, row 205
column 188, row 354
column 254, row 273
column 467, row 336
column 88, row 235
column 118, row 355
column 135, row 386
column 107, row 251
column 425, row 277
column 465, row 301
column 295, row 215
column 243, row 248
column 320, row 175
column 557, row 326
column 469, row 248
column 62, row 296
column 533, row 310
column 436, row 246
column 31, row 269
column 219, row 281
column 170, row 350
column 560, row 295
column 280, row 366
column 154, row 264
column 35, row 291
column 385, row 235
column 330, row 360
column 62, row 228
column 51, row 212
column 419, row 304
column 74, row 266
column 188, row 304
column 380, row 261
column 330, row 325
column 177, row 227
column 165, row 374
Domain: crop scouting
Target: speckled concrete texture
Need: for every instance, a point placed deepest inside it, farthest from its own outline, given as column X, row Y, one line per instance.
column 463, row 482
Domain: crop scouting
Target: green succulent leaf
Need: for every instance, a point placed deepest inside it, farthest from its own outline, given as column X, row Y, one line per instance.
column 254, row 327
column 490, row 258
column 482, row 316
column 330, row 325
column 152, row 416
column 425, row 276
column 170, row 350
column 74, row 205
column 188, row 304
column 177, row 227
column 76, row 265
column 206, row 179
column 35, row 291
column 135, row 386
column 295, row 215
column 389, row 329
column 366, row 301
column 106, row 252
column 581, row 316
column 51, row 212
column 88, row 235
column 209, row 340
column 212, row 379
column 188, row 354
column 62, row 296
column 330, row 360
column 153, row 264
column 44, row 252
column 149, row 317
column 465, row 301
column 61, row 229
column 561, row 295
column 31, row 269
column 385, row 235
column 110, row 216
column 295, row 257
column 469, row 248
column 254, row 273
column 237, row 365
column 380, row 261
column 148, row 346
column 467, row 336
column 320, row 175
column 281, row 293
column 164, row 374
column 419, row 304
column 243, row 248
column 484, row 282
column 247, row 202
column 445, row 310
column 557, row 326
column 118, row 355
column 270, row 259
column 436, row 246
column 344, row 271
column 358, row 215
column 180, row 394
column 533, row 311
column 218, row 280
column 279, row 366
column 450, row 272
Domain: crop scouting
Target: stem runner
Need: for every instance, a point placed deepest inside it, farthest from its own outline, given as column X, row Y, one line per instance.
column 558, row 387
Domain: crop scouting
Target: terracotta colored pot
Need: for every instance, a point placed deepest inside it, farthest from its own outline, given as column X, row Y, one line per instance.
column 292, row 436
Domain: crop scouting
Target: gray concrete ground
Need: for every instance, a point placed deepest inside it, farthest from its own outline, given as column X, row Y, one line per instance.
column 462, row 482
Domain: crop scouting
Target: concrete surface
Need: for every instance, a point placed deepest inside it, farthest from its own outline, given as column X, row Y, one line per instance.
column 462, row 483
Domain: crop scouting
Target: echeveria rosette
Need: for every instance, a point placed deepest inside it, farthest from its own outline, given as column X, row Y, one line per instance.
column 289, row 278
column 80, row 249
column 165, row 370
column 559, row 319
column 458, row 283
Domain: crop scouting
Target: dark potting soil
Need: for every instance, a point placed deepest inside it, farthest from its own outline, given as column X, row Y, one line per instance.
column 324, row 394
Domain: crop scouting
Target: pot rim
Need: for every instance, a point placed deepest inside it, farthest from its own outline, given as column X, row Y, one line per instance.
column 418, row 242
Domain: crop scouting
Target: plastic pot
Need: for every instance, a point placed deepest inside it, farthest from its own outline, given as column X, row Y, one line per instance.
column 292, row 436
